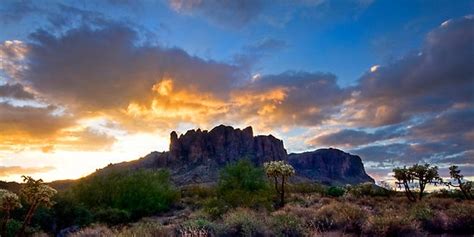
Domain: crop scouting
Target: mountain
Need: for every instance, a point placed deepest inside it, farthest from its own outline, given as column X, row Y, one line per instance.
column 198, row 155
column 330, row 166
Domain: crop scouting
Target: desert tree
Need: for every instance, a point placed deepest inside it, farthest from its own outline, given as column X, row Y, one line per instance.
column 405, row 178
column 463, row 185
column 279, row 171
column 423, row 174
column 8, row 202
column 35, row 193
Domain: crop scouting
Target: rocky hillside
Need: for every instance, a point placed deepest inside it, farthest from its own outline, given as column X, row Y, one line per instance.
column 198, row 155
column 330, row 166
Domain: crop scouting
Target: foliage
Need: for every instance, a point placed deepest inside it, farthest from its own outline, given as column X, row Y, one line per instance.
column 244, row 185
column 8, row 202
column 198, row 227
column 287, row 225
column 139, row 193
column 338, row 215
column 367, row 190
column 279, row 171
column 335, row 191
column 390, row 224
column 307, row 188
column 35, row 193
column 112, row 216
column 67, row 212
column 460, row 219
column 423, row 174
column 243, row 222
column 464, row 186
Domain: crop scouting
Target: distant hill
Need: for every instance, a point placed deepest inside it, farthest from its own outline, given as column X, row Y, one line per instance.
column 197, row 156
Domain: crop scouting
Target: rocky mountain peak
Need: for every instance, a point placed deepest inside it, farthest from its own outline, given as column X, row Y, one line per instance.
column 224, row 144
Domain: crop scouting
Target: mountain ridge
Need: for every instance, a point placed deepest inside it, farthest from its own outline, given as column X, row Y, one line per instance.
column 196, row 157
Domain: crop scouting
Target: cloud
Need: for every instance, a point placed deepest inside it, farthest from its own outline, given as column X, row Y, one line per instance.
column 353, row 138
column 228, row 13
column 12, row 53
column 27, row 121
column 15, row 91
column 298, row 98
column 104, row 68
column 252, row 53
column 19, row 170
column 440, row 76
column 14, row 11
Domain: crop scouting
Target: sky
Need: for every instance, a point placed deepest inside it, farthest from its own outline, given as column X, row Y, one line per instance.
column 88, row 83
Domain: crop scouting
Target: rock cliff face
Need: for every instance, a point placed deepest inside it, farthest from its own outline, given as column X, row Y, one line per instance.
column 224, row 144
column 197, row 157
column 331, row 166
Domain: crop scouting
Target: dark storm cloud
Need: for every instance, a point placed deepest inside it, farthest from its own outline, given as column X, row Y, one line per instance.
column 15, row 91
column 437, row 78
column 105, row 68
column 229, row 13
column 351, row 137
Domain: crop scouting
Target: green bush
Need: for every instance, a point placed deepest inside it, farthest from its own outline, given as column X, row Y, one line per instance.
column 141, row 193
column 422, row 213
column 67, row 212
column 368, row 189
column 112, row 216
column 335, row 191
column 243, row 222
column 307, row 188
column 244, row 185
column 198, row 191
column 13, row 226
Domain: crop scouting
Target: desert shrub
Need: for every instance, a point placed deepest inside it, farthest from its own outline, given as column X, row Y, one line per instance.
column 347, row 217
column 244, row 185
column 335, row 191
column 424, row 214
column 460, row 218
column 284, row 224
column 112, row 216
column 445, row 193
column 307, row 188
column 67, row 213
column 243, row 222
column 140, row 193
column 144, row 228
column 198, row 227
column 390, row 224
column 93, row 231
column 198, row 191
column 368, row 189
column 215, row 207
column 13, row 226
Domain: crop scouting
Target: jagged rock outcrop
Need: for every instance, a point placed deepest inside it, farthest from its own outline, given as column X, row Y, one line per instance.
column 330, row 166
column 224, row 144
column 197, row 156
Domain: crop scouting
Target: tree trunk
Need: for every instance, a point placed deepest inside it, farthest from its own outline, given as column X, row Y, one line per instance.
column 282, row 194
column 27, row 220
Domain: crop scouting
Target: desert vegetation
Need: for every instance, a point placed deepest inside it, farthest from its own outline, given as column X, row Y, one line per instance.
column 247, row 200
